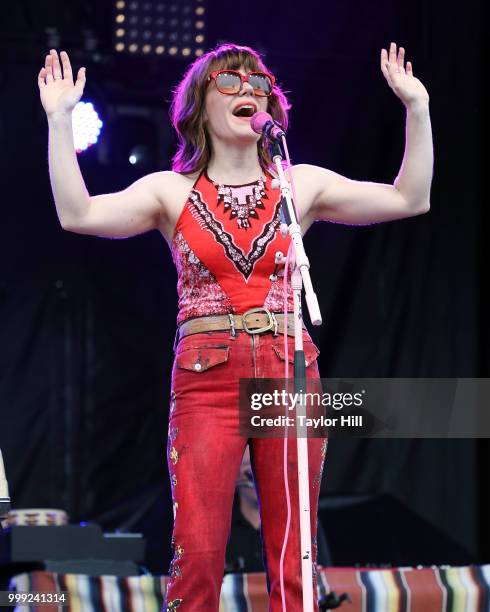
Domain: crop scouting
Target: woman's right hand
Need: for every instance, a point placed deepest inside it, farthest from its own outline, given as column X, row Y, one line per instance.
column 59, row 94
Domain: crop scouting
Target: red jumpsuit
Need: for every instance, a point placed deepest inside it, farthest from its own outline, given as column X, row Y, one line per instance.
column 224, row 247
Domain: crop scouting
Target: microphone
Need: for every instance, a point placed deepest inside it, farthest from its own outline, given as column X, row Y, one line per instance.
column 262, row 123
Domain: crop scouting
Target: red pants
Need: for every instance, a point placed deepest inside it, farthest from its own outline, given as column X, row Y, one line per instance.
column 205, row 450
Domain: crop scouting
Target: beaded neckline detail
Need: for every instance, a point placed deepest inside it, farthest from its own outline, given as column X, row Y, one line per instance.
column 243, row 202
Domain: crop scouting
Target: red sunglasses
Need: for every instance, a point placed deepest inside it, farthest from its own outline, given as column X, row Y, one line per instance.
column 230, row 82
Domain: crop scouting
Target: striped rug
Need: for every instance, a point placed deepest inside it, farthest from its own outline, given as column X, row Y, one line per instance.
column 453, row 589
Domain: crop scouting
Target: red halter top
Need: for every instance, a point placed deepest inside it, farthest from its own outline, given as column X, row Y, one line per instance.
column 224, row 247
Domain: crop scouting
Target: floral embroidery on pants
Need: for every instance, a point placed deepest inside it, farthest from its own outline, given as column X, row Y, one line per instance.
column 173, row 401
column 318, row 478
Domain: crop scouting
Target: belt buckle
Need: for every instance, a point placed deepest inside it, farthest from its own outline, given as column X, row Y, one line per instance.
column 258, row 330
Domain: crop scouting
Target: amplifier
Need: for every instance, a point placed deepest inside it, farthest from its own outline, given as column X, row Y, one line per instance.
column 58, row 543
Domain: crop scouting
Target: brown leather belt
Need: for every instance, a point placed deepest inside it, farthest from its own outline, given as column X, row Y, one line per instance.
column 253, row 321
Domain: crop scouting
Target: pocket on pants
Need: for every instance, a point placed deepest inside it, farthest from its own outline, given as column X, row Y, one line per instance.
column 199, row 359
column 309, row 347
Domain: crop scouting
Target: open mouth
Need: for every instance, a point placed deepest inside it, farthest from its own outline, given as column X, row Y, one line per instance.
column 244, row 111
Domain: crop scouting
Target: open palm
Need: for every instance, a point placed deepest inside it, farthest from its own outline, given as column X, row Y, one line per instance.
column 400, row 76
column 59, row 94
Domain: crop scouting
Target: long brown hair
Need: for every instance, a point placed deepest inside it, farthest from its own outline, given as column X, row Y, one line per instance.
column 187, row 107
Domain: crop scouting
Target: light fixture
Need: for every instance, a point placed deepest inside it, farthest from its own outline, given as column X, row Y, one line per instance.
column 86, row 126
column 159, row 27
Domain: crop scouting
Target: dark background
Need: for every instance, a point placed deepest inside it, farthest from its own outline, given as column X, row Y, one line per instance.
column 87, row 324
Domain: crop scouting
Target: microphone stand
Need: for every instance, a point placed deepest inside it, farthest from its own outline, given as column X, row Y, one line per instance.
column 300, row 277
column 4, row 493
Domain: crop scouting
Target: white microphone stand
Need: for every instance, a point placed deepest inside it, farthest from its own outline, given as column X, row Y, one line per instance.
column 4, row 492
column 300, row 277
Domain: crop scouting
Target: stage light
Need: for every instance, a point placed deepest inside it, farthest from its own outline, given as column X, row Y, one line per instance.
column 159, row 27
column 141, row 155
column 136, row 137
column 86, row 126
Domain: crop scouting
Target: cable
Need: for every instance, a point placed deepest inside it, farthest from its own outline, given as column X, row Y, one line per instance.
column 286, row 376
column 285, row 448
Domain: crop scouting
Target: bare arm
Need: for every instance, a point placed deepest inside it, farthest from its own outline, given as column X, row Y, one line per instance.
column 119, row 215
column 334, row 197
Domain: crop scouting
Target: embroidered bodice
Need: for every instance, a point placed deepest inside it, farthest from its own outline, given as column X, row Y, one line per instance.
column 224, row 247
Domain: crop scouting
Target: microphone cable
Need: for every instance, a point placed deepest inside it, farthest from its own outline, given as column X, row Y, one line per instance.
column 286, row 376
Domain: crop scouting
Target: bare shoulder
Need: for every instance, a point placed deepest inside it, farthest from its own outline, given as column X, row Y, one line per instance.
column 166, row 182
column 312, row 177
column 172, row 190
column 310, row 181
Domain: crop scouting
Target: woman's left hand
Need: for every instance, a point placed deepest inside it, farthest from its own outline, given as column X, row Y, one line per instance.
column 400, row 77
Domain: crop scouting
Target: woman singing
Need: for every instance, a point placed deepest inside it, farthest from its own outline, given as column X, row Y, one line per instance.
column 218, row 211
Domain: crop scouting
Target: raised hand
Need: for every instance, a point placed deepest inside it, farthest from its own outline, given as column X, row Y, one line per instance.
column 400, row 77
column 59, row 94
